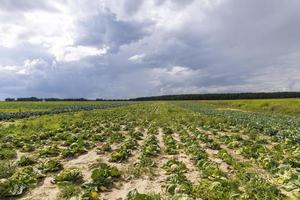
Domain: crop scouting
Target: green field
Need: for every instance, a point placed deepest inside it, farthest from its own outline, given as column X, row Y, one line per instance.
column 275, row 106
column 153, row 150
column 45, row 106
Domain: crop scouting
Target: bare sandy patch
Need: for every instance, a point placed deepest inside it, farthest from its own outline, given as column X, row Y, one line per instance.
column 143, row 185
column 5, row 124
column 83, row 162
column 46, row 191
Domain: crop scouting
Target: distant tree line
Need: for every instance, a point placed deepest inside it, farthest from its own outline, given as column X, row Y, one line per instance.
column 222, row 96
column 112, row 99
column 59, row 99
column 215, row 96
column 43, row 99
column 10, row 99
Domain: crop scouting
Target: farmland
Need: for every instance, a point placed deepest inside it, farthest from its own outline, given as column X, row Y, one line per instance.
column 18, row 110
column 19, row 106
column 275, row 106
column 150, row 150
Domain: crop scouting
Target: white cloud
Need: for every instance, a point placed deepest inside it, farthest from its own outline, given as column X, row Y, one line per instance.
column 137, row 58
column 179, row 71
column 27, row 68
column 32, row 66
column 9, row 34
column 174, row 72
column 71, row 53
column 8, row 68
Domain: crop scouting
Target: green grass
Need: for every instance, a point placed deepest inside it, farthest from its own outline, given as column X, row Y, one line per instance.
column 276, row 106
column 45, row 106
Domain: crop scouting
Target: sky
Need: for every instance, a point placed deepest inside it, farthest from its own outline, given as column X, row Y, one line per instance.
column 132, row 48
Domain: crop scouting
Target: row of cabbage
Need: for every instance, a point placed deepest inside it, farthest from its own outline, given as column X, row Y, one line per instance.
column 26, row 114
column 271, row 142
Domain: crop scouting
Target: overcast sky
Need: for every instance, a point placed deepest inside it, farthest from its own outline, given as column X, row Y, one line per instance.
column 130, row 48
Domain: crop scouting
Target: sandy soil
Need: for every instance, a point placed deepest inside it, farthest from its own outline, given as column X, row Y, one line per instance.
column 6, row 124
column 45, row 191
column 233, row 109
column 49, row 191
column 143, row 185
column 83, row 162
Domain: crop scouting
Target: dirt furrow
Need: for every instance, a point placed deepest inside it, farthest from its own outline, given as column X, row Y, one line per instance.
column 192, row 173
column 143, row 184
column 46, row 190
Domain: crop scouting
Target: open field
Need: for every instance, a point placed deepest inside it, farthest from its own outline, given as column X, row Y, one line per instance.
column 19, row 110
column 153, row 150
column 27, row 106
column 275, row 106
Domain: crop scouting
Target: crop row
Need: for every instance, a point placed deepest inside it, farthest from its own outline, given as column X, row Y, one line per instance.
column 26, row 114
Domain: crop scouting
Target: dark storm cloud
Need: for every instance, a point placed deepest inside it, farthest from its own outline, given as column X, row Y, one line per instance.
column 237, row 39
column 140, row 48
column 23, row 51
column 258, row 29
column 106, row 29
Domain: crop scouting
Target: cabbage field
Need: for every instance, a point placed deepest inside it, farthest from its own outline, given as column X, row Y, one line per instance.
column 147, row 151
